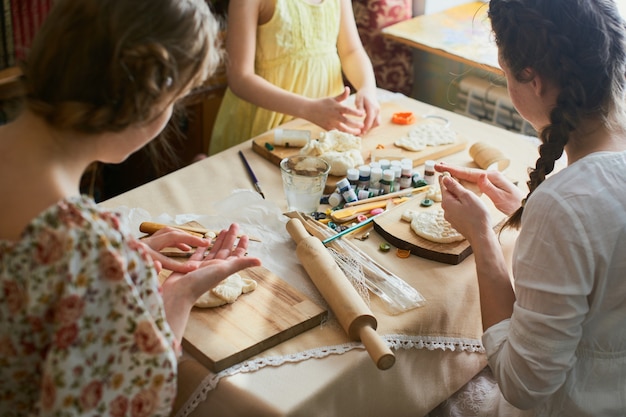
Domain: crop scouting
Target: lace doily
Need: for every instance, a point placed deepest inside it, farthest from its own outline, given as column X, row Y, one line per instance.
column 393, row 341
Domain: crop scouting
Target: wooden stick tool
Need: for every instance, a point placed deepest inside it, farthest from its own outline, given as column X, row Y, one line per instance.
column 352, row 313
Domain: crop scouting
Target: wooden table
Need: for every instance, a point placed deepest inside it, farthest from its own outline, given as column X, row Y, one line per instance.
column 462, row 34
column 343, row 383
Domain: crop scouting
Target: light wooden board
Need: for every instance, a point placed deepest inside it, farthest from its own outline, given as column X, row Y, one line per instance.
column 223, row 336
column 399, row 233
column 385, row 134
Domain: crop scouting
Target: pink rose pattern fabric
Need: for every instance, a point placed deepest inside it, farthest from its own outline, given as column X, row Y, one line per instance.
column 82, row 326
column 392, row 61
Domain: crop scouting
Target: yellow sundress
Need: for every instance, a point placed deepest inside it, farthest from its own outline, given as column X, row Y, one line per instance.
column 297, row 51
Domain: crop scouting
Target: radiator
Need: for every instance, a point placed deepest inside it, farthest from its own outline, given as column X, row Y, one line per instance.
column 488, row 102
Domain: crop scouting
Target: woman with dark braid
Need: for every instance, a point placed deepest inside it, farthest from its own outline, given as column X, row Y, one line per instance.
column 556, row 342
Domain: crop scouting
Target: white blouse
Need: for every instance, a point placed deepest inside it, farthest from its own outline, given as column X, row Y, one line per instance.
column 563, row 351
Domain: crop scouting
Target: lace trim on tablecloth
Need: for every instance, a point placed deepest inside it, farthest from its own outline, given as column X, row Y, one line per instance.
column 394, row 341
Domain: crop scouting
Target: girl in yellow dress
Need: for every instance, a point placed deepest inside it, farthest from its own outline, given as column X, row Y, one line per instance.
column 285, row 60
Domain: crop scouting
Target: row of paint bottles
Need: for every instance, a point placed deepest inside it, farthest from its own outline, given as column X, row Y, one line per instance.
column 377, row 178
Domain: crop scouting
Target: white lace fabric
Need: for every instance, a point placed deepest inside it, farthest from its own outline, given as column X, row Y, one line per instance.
column 395, row 341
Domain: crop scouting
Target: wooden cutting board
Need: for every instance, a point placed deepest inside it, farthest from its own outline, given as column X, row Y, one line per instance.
column 275, row 311
column 399, row 233
column 385, row 134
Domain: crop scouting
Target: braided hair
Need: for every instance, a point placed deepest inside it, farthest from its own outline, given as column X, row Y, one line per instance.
column 580, row 47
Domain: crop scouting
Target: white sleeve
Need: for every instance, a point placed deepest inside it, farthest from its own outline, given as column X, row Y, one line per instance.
column 531, row 353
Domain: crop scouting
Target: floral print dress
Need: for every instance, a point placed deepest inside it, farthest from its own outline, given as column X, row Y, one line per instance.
column 82, row 325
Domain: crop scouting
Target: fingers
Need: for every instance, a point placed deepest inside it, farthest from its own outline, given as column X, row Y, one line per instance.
column 242, row 247
column 237, row 264
column 170, row 264
column 462, row 173
column 368, row 103
column 224, row 246
column 451, row 186
column 349, row 111
column 486, row 186
column 334, row 115
column 183, row 246
column 372, row 119
column 358, row 110
column 344, row 95
column 170, row 237
column 352, row 127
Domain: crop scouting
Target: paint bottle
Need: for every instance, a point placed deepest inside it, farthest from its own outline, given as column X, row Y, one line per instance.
column 364, row 177
column 429, row 171
column 384, row 164
column 406, row 176
column 335, row 199
column 353, row 177
column 346, row 191
column 417, row 180
column 363, row 194
column 386, row 183
column 376, row 174
column 397, row 173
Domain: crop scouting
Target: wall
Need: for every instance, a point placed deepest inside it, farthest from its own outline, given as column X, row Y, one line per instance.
column 436, row 78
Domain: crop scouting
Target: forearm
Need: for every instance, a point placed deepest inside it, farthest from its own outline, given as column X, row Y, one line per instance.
column 495, row 288
column 358, row 70
column 262, row 93
column 177, row 307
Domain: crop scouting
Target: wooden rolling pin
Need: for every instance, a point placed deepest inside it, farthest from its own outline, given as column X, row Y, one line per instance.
column 353, row 314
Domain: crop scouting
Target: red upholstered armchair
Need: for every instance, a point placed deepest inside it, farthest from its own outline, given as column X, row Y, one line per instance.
column 393, row 63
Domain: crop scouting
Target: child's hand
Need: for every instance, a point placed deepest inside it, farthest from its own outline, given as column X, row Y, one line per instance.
column 366, row 100
column 169, row 237
column 181, row 290
column 329, row 113
column 224, row 259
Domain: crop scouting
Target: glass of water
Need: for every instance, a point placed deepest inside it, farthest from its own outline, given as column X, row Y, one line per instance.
column 304, row 179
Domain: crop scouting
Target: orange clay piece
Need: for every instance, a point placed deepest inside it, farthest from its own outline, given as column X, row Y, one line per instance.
column 403, row 118
column 380, row 146
column 403, row 253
